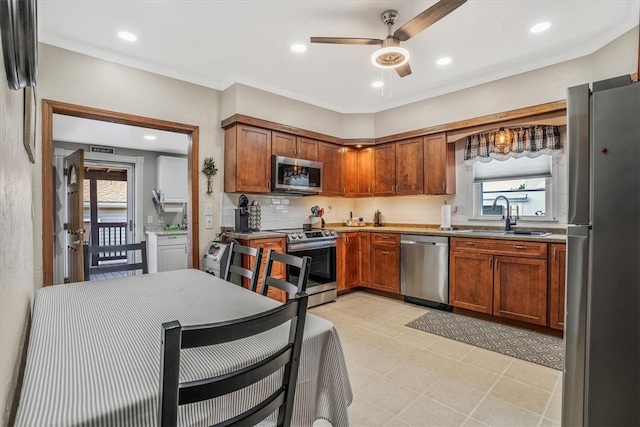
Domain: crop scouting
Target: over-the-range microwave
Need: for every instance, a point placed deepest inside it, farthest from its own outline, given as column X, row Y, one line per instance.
column 295, row 176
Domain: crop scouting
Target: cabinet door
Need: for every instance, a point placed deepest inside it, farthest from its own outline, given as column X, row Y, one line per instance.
column 471, row 281
column 172, row 178
column 439, row 165
column 347, row 265
column 365, row 172
column 384, row 170
column 520, row 289
column 307, row 149
column 331, row 157
column 558, row 260
column 253, row 160
column 350, row 171
column 386, row 268
column 283, row 144
column 409, row 167
column 364, row 259
column 278, row 269
column 172, row 257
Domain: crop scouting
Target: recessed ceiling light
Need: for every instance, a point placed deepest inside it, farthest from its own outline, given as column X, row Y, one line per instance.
column 125, row 35
column 443, row 61
column 298, row 48
column 150, row 137
column 377, row 84
column 542, row 26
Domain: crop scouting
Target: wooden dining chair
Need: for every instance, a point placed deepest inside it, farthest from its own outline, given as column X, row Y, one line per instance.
column 90, row 251
column 238, row 250
column 176, row 337
column 290, row 288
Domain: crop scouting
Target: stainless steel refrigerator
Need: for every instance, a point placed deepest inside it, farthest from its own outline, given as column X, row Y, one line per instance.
column 602, row 316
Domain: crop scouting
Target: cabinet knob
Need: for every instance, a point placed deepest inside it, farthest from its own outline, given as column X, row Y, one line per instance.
column 444, row 185
column 555, row 253
column 470, row 243
column 490, row 261
column 384, row 252
column 519, row 247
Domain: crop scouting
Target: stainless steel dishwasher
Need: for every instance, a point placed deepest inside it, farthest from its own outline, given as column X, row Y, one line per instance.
column 424, row 270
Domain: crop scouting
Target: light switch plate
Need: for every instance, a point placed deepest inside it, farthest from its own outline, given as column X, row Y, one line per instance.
column 208, row 221
column 149, row 219
column 208, row 209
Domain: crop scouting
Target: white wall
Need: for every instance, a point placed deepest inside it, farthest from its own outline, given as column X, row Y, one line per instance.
column 17, row 283
column 79, row 79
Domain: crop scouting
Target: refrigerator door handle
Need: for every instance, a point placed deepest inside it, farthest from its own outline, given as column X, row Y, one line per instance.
column 579, row 147
column 575, row 326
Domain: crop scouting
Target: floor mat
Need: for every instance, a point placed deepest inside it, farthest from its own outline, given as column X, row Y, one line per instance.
column 519, row 343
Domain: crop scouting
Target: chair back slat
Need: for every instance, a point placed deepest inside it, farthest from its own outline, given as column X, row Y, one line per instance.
column 224, row 384
column 302, row 263
column 176, row 337
column 89, row 250
column 251, row 275
column 233, row 330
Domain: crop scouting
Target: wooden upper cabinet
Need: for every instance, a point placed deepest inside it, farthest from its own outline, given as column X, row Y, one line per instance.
column 307, row 149
column 365, row 172
column 330, row 156
column 439, row 165
column 409, row 167
column 384, row 169
column 247, row 166
column 284, row 144
column 350, row 171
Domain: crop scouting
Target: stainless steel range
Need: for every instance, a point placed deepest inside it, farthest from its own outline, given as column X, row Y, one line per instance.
column 320, row 245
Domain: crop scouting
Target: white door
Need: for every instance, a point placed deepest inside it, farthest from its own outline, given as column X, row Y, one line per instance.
column 172, row 257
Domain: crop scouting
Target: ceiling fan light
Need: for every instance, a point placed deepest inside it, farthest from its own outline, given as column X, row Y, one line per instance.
column 390, row 57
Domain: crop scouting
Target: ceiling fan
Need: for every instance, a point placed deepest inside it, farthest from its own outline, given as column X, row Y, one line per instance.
column 391, row 55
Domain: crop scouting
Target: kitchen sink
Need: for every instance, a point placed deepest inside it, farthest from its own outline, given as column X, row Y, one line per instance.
column 508, row 233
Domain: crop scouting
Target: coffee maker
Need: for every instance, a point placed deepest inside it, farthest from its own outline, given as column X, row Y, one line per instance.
column 242, row 215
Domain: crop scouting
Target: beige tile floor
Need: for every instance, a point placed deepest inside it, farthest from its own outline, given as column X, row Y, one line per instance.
column 404, row 377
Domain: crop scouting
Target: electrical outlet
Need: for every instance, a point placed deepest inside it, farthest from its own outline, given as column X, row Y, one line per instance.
column 208, row 209
column 459, row 209
column 149, row 219
column 208, row 221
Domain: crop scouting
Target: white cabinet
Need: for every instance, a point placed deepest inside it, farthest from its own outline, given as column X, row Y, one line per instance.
column 172, row 179
column 167, row 252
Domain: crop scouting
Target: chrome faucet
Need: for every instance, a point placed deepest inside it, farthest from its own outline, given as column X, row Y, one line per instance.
column 508, row 221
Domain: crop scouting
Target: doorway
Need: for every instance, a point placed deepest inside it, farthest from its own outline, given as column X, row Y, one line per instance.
column 50, row 228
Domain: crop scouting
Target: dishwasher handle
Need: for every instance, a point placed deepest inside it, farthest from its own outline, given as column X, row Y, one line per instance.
column 413, row 242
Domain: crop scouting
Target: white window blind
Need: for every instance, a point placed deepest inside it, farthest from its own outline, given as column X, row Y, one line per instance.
column 513, row 168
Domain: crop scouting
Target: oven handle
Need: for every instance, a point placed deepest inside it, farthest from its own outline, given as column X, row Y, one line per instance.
column 297, row 247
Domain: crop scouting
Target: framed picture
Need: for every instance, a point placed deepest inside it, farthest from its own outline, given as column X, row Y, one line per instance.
column 29, row 139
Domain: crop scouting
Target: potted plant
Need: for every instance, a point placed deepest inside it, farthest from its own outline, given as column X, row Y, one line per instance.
column 210, row 170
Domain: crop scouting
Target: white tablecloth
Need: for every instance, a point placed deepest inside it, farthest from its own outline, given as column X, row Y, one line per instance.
column 94, row 353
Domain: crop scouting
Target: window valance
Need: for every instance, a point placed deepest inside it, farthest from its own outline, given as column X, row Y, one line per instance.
column 515, row 142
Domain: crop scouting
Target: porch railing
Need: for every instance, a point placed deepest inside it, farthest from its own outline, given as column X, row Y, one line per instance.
column 111, row 233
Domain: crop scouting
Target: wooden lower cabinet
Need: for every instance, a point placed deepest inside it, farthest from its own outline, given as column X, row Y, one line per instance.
column 520, row 289
column 385, row 261
column 278, row 270
column 471, row 281
column 364, row 259
column 347, row 261
column 557, row 277
column 484, row 277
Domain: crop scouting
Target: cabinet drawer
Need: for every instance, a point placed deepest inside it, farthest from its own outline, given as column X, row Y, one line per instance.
column 500, row 247
column 277, row 244
column 179, row 239
column 385, row 238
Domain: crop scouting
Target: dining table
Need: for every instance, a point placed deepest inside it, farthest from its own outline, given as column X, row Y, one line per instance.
column 94, row 353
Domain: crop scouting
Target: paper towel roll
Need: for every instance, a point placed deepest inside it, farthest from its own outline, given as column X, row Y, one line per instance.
column 445, row 217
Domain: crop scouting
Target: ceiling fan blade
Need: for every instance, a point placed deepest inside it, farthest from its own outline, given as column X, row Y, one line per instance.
column 427, row 18
column 346, row 40
column 403, row 70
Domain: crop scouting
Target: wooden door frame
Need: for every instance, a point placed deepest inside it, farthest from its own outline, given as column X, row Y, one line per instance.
column 49, row 108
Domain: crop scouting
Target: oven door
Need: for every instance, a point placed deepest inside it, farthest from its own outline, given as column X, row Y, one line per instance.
column 322, row 274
